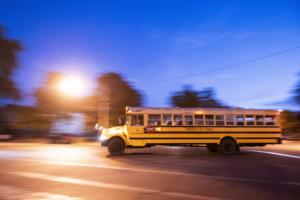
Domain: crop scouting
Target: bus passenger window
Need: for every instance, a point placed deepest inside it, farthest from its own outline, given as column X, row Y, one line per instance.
column 167, row 120
column 154, row 120
column 249, row 120
column 240, row 120
column 259, row 120
column 178, row 120
column 188, row 120
column 209, row 120
column 199, row 121
column 270, row 120
column 220, row 120
column 229, row 120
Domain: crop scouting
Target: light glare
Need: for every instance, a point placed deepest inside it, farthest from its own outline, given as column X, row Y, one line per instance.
column 72, row 86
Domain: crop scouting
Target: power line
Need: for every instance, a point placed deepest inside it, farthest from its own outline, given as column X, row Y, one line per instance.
column 228, row 66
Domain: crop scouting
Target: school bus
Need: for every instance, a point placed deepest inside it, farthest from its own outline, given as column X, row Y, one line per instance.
column 222, row 130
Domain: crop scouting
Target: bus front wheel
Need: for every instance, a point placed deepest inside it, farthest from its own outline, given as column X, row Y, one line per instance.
column 116, row 147
column 228, row 146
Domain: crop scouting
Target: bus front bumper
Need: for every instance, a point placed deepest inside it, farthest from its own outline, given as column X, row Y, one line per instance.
column 103, row 139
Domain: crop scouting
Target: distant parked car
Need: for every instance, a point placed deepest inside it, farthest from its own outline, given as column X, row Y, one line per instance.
column 60, row 138
column 5, row 137
column 5, row 132
column 64, row 130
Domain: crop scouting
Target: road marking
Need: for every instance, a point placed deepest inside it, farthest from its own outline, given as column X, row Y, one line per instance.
column 14, row 193
column 99, row 184
column 76, row 164
column 276, row 154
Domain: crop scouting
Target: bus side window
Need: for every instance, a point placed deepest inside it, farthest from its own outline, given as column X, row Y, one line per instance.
column 240, row 120
column 270, row 119
column 137, row 120
column 209, row 120
column 229, row 120
column 188, row 120
column 140, row 120
column 178, row 120
column 199, row 120
column 259, row 119
column 133, row 121
column 220, row 120
column 154, row 120
column 167, row 120
column 128, row 119
column 249, row 120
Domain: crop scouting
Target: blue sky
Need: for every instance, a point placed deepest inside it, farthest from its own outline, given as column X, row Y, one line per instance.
column 149, row 41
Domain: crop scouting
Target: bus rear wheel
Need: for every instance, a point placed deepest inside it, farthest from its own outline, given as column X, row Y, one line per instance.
column 116, row 147
column 212, row 148
column 228, row 146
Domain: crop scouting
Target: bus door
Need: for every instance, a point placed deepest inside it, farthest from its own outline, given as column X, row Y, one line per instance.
column 135, row 123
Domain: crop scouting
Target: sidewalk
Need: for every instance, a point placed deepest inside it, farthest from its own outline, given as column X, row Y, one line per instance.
column 77, row 141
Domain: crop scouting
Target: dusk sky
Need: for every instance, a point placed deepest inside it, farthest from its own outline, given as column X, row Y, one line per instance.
column 159, row 46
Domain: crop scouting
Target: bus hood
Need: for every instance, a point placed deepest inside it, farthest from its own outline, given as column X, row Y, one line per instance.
column 114, row 130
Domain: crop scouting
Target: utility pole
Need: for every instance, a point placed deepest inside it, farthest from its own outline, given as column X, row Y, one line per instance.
column 103, row 107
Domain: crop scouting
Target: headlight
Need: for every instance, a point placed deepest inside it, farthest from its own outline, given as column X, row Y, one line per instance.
column 103, row 137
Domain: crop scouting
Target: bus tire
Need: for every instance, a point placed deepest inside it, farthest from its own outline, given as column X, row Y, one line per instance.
column 212, row 148
column 228, row 146
column 116, row 146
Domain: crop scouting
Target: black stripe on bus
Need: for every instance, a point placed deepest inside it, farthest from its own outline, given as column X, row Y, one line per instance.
column 171, row 138
column 257, row 138
column 166, row 138
column 212, row 126
column 214, row 132
column 180, row 144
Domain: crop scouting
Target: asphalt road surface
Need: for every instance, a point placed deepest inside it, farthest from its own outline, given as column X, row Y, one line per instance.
column 84, row 171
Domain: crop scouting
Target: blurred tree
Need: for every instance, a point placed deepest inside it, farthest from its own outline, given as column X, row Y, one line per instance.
column 8, row 63
column 51, row 100
column 290, row 123
column 115, row 94
column 46, row 95
column 192, row 98
column 52, row 104
column 297, row 92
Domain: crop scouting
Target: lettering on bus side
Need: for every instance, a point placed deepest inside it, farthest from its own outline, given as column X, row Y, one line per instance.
column 191, row 128
column 206, row 129
column 198, row 129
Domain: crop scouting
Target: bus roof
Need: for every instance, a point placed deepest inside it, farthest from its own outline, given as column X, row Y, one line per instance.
column 199, row 110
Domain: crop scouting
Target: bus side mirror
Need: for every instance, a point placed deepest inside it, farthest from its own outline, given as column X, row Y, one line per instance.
column 96, row 127
column 120, row 121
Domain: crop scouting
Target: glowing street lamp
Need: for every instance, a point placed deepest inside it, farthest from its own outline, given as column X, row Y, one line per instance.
column 72, row 86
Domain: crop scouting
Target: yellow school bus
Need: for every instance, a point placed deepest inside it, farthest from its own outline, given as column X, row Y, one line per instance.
column 222, row 130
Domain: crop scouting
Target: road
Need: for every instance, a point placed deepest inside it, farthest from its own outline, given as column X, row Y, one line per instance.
column 33, row 171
